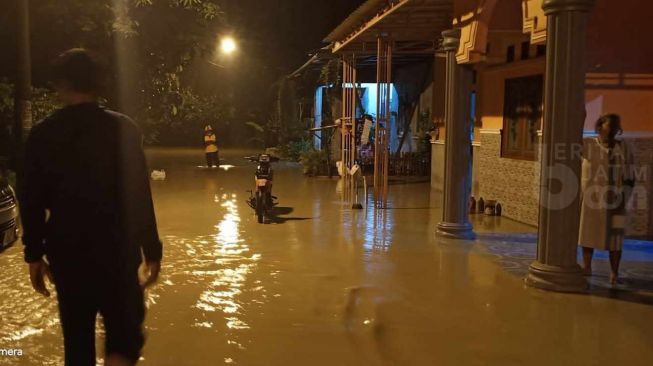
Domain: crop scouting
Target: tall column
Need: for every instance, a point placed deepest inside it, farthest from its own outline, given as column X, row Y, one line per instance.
column 556, row 267
column 458, row 160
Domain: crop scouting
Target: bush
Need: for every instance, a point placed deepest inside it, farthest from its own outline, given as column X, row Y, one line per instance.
column 294, row 150
column 314, row 162
column 44, row 102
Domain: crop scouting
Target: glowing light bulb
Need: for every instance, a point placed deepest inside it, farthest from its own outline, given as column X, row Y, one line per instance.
column 228, row 45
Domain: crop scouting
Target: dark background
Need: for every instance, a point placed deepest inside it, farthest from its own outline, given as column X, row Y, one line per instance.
column 274, row 38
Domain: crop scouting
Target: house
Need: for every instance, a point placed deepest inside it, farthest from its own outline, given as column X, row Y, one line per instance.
column 503, row 44
column 512, row 84
column 510, row 62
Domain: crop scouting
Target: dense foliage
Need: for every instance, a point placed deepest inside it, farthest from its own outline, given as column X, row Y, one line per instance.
column 149, row 46
column 43, row 103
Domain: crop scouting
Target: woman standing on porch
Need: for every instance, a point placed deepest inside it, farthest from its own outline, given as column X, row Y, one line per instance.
column 606, row 183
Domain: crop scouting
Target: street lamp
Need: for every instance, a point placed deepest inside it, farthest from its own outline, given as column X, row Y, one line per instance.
column 225, row 46
column 228, row 45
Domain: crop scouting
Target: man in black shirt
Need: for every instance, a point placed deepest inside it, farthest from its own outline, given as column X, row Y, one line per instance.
column 86, row 207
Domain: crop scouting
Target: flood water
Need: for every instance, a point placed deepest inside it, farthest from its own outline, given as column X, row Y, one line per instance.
column 322, row 285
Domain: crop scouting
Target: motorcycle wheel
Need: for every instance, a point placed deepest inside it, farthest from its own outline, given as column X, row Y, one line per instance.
column 260, row 207
column 268, row 199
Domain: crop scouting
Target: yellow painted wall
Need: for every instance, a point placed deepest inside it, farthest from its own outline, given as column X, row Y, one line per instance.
column 491, row 82
column 634, row 104
column 439, row 77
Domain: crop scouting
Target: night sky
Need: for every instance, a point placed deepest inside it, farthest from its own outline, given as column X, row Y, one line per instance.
column 287, row 29
column 275, row 38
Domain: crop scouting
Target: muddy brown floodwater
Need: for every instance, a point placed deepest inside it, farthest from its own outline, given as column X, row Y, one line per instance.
column 321, row 285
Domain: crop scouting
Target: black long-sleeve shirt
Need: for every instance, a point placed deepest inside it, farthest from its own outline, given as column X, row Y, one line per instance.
column 85, row 192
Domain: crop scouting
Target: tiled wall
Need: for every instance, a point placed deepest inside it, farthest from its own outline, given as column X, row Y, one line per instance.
column 641, row 205
column 513, row 183
column 437, row 165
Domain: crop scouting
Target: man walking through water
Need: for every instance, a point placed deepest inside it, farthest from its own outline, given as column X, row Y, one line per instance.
column 88, row 216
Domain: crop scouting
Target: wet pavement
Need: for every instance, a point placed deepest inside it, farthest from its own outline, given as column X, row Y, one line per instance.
column 322, row 285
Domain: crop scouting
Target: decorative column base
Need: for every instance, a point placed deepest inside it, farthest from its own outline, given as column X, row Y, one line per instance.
column 456, row 231
column 554, row 278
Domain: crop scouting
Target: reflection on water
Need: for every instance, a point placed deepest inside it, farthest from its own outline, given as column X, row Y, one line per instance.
column 378, row 229
column 233, row 262
column 225, row 167
column 337, row 294
column 216, row 272
column 28, row 321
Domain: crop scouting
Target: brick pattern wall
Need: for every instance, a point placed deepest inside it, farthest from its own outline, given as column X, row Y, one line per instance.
column 437, row 166
column 640, row 218
column 513, row 183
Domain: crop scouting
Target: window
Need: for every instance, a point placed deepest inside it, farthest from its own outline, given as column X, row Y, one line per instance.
column 541, row 50
column 522, row 117
column 525, row 50
column 510, row 54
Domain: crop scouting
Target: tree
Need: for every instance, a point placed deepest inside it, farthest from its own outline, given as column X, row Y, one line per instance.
column 43, row 103
column 150, row 46
column 171, row 36
column 331, row 78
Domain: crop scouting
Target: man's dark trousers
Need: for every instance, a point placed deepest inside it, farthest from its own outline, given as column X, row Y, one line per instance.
column 84, row 293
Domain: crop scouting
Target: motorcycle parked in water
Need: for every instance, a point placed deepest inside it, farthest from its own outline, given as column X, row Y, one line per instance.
column 261, row 199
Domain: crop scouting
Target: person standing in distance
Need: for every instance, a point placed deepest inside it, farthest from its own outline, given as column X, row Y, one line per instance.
column 88, row 216
column 211, row 147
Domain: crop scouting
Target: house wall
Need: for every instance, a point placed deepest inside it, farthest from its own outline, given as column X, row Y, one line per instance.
column 635, row 106
column 437, row 144
column 514, row 183
column 437, row 165
column 618, row 37
column 491, row 88
column 641, row 213
column 619, row 80
column 620, row 71
column 439, row 93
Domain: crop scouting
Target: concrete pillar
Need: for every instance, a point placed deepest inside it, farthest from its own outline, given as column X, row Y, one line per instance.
column 458, row 169
column 556, row 267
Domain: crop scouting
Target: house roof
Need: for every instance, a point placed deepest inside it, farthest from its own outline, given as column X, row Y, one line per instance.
column 316, row 62
column 356, row 19
column 414, row 25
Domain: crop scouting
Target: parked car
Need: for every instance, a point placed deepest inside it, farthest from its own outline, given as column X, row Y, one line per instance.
column 8, row 215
